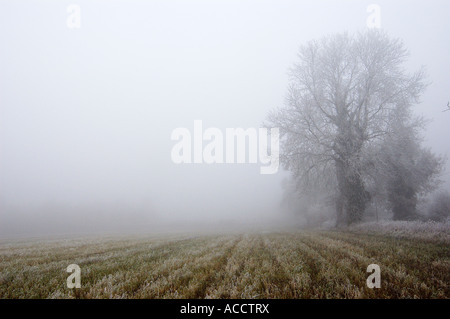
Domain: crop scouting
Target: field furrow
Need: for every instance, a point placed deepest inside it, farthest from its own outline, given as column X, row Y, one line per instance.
column 321, row 264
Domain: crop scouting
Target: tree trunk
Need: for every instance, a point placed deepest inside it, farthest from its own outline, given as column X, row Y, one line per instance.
column 352, row 197
column 403, row 200
column 340, row 199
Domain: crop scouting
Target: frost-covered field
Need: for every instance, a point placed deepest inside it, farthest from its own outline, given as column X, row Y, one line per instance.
column 321, row 264
column 427, row 231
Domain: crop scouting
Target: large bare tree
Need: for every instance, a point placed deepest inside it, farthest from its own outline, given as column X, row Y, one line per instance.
column 342, row 92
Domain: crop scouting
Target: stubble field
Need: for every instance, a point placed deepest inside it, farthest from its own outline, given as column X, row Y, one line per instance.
column 319, row 264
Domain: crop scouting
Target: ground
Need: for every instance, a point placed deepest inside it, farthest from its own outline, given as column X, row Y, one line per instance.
column 303, row 264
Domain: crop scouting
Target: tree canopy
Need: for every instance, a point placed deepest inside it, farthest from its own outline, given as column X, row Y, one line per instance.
column 344, row 95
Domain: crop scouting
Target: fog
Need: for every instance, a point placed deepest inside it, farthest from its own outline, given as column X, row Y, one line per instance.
column 86, row 114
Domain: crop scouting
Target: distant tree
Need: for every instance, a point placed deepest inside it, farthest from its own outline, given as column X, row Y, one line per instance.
column 403, row 167
column 439, row 208
column 341, row 94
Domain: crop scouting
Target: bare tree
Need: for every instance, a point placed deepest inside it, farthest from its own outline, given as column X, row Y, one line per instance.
column 403, row 167
column 341, row 94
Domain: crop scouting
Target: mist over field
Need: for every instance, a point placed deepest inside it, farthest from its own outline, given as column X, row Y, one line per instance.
column 87, row 112
column 224, row 149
